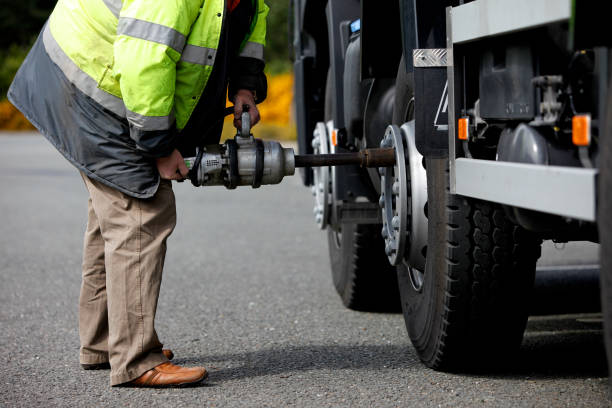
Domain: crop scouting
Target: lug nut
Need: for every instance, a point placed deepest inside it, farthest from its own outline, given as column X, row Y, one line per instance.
column 396, row 187
column 384, row 232
column 395, row 221
column 389, row 249
column 381, row 201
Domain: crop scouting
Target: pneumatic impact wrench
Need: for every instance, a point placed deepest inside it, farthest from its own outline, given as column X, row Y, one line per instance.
column 246, row 161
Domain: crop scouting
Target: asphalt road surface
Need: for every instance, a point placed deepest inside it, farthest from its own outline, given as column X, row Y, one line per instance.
column 247, row 293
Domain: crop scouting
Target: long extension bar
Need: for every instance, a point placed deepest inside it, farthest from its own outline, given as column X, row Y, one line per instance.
column 379, row 157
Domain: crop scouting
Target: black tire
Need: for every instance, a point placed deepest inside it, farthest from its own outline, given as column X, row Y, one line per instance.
column 471, row 309
column 404, row 94
column 361, row 273
column 604, row 220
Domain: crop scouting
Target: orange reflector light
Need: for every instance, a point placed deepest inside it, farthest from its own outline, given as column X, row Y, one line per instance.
column 463, row 128
column 581, row 130
column 334, row 138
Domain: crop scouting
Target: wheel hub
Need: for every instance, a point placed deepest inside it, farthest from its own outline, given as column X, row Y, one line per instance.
column 402, row 201
column 321, row 177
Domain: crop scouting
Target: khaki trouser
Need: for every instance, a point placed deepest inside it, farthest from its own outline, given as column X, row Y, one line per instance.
column 123, row 258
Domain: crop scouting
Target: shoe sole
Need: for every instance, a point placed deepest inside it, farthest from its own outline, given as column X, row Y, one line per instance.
column 181, row 385
column 194, row 383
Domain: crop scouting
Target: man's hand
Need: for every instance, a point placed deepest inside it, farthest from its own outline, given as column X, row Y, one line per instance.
column 245, row 97
column 172, row 167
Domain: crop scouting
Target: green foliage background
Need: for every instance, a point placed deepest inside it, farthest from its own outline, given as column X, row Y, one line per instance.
column 277, row 41
column 21, row 21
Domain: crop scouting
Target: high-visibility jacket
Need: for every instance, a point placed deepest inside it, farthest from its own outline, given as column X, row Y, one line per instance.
column 145, row 62
column 150, row 62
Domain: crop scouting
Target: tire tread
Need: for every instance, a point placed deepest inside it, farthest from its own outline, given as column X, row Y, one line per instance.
column 489, row 269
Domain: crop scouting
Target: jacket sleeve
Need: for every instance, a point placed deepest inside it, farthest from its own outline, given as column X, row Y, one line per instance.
column 150, row 39
column 248, row 68
column 248, row 73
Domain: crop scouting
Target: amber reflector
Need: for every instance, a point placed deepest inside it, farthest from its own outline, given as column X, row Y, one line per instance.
column 581, row 130
column 462, row 128
column 334, row 138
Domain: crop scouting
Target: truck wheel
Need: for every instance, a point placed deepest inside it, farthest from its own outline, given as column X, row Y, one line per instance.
column 360, row 271
column 470, row 309
column 404, row 94
column 604, row 219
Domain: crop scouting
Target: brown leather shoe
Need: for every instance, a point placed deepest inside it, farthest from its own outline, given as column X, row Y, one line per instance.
column 168, row 353
column 169, row 375
column 105, row 366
